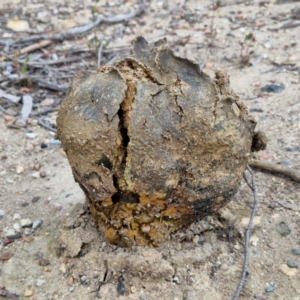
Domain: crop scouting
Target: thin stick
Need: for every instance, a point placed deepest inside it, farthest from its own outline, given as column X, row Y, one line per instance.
column 288, row 25
column 26, row 110
column 275, row 168
column 55, row 62
column 43, row 124
column 44, row 112
column 51, row 86
column 32, row 47
column 84, row 28
column 7, row 112
column 247, row 236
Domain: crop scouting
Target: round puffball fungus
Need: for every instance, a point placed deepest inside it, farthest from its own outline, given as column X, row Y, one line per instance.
column 154, row 143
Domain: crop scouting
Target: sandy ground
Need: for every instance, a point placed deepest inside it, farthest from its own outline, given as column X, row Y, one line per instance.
column 65, row 258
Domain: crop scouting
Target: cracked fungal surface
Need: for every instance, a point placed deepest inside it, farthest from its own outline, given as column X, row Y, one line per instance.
column 154, row 143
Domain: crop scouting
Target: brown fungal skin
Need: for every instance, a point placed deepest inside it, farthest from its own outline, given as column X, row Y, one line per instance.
column 154, row 143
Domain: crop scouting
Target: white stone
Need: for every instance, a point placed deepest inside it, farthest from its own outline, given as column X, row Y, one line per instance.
column 36, row 175
column 287, row 270
column 26, row 223
column 17, row 227
column 254, row 240
column 17, row 217
column 19, row 169
column 40, row 282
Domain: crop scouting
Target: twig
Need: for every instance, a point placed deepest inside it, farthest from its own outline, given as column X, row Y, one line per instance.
column 272, row 167
column 288, row 205
column 55, row 62
column 99, row 54
column 43, row 124
column 84, row 28
column 32, row 47
column 44, row 112
column 25, row 112
column 51, row 86
column 288, row 25
column 11, row 98
column 247, row 236
column 7, row 112
column 107, row 277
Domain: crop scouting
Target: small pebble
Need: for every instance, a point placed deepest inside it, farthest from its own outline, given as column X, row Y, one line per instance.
column 83, row 279
column 3, row 173
column 7, row 241
column 237, row 247
column 44, row 145
column 5, row 256
column 178, row 246
column 24, row 204
column 40, row 282
column 287, row 270
column 196, row 239
column 273, row 88
column 2, row 213
column 14, row 236
column 31, row 135
column 17, row 227
column 35, row 199
column 120, row 286
column 35, row 175
column 283, row 229
column 292, row 264
column 28, row 293
column 272, row 245
column 36, row 224
column 133, row 289
column 10, row 180
column 296, row 251
column 70, row 280
column 26, row 223
column 43, row 173
column 72, row 289
column 9, row 231
column 19, row 169
column 254, row 240
column 54, row 142
column 256, row 109
column 270, row 289
column 17, row 217
column 57, row 206
column 36, row 166
column 63, row 268
column 28, row 231
column 44, row 262
column 68, row 195
column 28, row 239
